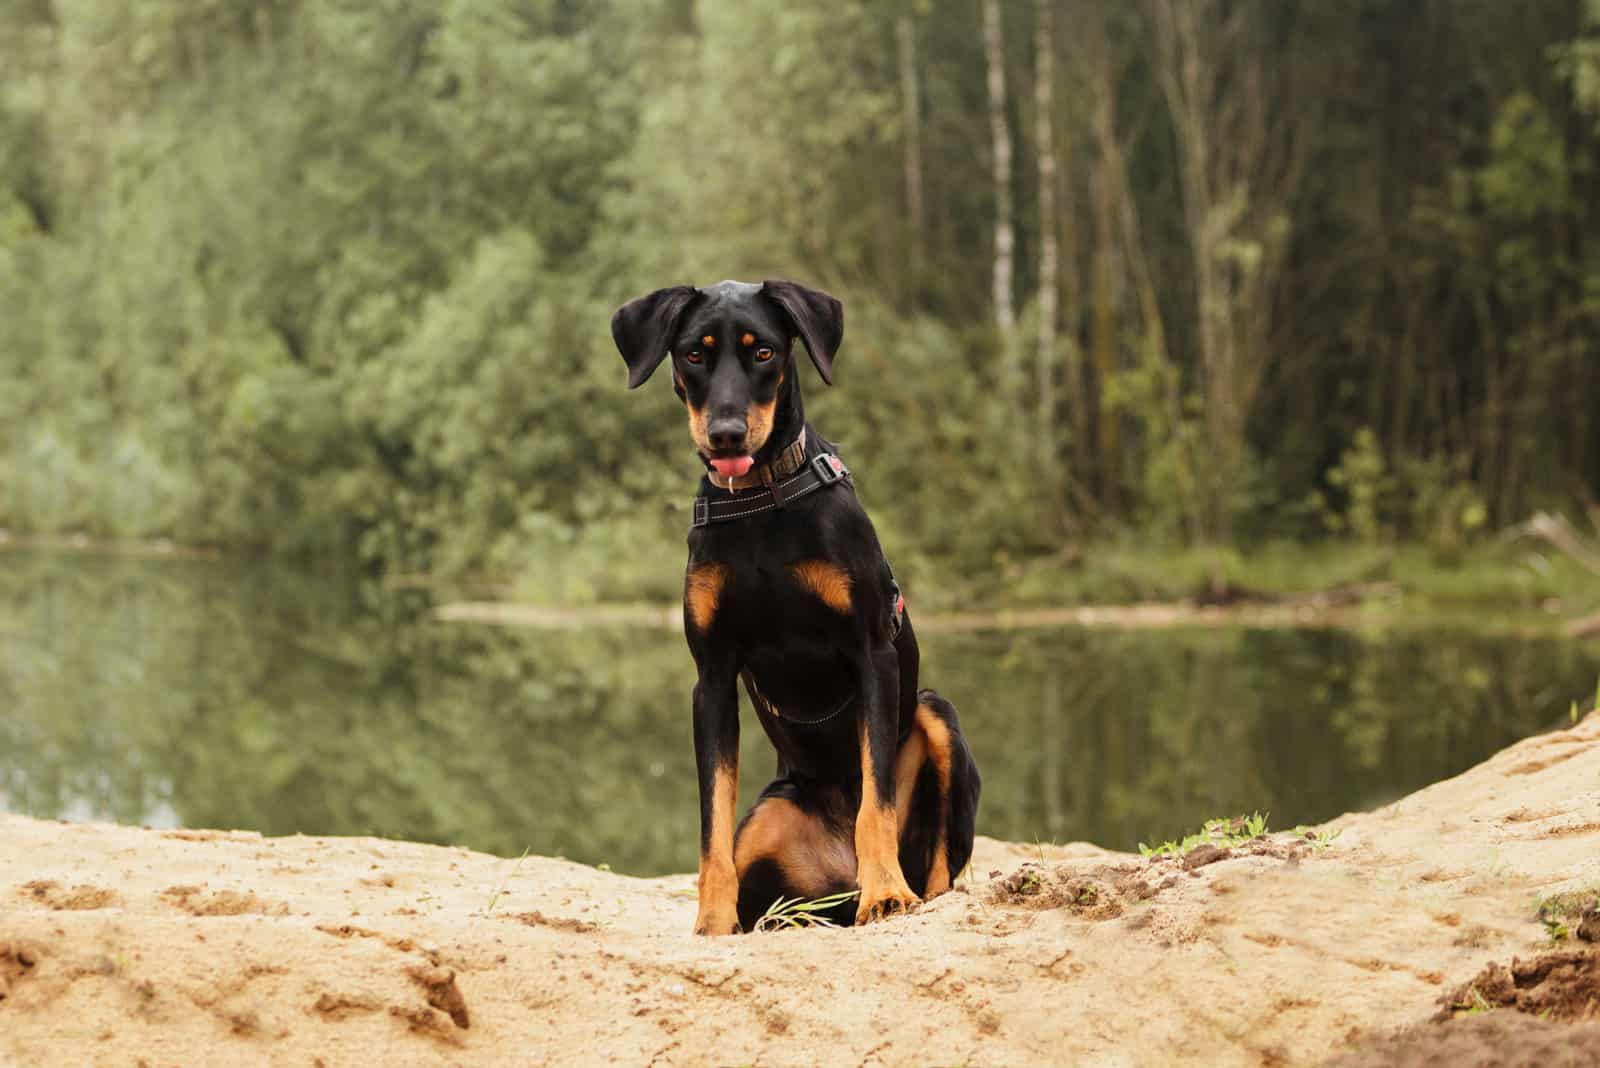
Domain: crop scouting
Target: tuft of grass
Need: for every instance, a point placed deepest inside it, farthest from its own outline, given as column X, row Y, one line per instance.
column 801, row 912
column 501, row 889
column 1557, row 909
column 1319, row 840
column 1220, row 832
column 1474, row 1005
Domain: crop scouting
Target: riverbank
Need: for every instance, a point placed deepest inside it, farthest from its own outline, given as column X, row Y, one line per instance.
column 1517, row 587
column 122, row 945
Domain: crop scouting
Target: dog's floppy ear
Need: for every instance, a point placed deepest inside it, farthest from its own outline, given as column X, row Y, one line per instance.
column 643, row 329
column 817, row 317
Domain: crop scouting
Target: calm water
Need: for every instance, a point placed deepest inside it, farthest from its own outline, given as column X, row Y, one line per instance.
column 199, row 694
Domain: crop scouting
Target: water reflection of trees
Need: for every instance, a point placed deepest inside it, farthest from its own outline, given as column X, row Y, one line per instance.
column 1118, row 737
column 258, row 698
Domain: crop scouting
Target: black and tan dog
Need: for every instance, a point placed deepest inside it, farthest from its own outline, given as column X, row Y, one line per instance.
column 788, row 589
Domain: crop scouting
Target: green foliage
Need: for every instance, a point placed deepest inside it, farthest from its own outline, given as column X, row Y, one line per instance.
column 1222, row 832
column 333, row 278
column 1362, row 474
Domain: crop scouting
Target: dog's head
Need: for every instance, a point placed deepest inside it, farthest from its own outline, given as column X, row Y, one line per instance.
column 732, row 349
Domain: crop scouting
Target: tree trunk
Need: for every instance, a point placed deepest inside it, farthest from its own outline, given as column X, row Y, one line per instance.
column 1004, row 235
column 1104, row 186
column 1044, row 136
column 911, row 117
column 1238, row 161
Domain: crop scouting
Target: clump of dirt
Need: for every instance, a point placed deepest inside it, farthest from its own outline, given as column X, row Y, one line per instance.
column 425, row 1021
column 1094, row 896
column 338, row 1006
column 51, row 894
column 560, row 923
column 196, row 902
column 1488, row 1040
column 439, row 985
column 1200, row 856
column 1561, row 985
column 15, row 964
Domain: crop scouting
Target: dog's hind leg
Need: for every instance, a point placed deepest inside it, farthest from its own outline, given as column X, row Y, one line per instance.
column 789, row 850
column 936, row 797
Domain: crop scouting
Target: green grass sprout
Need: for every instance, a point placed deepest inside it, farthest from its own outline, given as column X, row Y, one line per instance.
column 801, row 912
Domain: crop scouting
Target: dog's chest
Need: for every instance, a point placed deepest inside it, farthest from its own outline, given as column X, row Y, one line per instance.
column 779, row 596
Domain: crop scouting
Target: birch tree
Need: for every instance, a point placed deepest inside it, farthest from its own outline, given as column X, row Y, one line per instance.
column 1004, row 233
column 1045, row 148
column 911, row 120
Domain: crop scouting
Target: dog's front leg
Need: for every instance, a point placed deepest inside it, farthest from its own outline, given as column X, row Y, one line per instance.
column 716, row 755
column 883, row 885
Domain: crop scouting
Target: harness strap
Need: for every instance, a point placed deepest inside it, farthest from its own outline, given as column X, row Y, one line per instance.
column 823, row 471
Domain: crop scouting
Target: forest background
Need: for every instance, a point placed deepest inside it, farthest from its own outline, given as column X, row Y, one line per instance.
column 331, row 279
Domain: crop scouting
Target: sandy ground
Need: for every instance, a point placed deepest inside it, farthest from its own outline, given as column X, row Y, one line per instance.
column 123, row 946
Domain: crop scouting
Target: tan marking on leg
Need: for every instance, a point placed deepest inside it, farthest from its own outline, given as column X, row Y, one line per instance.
column 939, row 748
column 937, row 733
column 929, row 742
column 829, row 582
column 813, row 860
column 702, row 587
column 883, row 884
column 907, row 763
column 719, row 879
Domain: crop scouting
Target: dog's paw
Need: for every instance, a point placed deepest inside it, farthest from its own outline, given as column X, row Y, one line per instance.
column 717, row 922
column 885, row 901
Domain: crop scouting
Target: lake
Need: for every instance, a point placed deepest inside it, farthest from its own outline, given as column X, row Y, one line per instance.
column 206, row 694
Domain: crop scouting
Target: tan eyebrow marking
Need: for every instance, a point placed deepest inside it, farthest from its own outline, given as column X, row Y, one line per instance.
column 709, row 342
column 748, row 339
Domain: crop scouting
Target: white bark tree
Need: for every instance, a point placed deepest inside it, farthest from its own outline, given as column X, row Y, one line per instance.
column 1005, row 313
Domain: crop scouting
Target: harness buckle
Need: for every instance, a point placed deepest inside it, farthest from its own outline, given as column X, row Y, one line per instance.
column 702, row 513
column 829, row 468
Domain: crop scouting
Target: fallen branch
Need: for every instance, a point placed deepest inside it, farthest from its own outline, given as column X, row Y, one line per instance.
column 1556, row 531
column 1587, row 627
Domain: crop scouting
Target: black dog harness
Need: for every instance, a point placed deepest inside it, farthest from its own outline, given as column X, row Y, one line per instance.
column 822, row 471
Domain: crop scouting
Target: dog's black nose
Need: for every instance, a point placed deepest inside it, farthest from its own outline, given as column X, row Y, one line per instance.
column 726, row 432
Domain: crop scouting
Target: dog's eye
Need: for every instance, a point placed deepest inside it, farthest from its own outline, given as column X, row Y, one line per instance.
column 693, row 356
column 763, row 355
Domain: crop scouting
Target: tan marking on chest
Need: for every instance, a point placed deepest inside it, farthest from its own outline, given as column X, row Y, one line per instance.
column 829, row 583
column 702, row 589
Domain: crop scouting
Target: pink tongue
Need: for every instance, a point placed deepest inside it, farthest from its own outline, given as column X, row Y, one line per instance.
column 733, row 467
